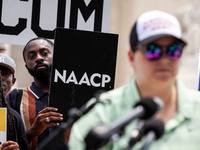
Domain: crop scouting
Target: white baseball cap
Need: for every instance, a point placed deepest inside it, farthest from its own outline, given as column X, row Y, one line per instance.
column 153, row 25
column 8, row 62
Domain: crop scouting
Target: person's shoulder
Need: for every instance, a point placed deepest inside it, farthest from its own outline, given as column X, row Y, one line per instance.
column 114, row 93
column 193, row 92
column 15, row 113
column 183, row 90
column 193, row 95
column 12, row 92
column 123, row 95
column 188, row 97
column 17, row 117
column 114, row 103
column 11, row 97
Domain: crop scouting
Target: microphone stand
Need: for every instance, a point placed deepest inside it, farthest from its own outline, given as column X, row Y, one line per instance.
column 136, row 134
column 74, row 114
column 149, row 139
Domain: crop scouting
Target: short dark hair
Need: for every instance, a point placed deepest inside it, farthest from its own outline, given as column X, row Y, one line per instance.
column 38, row 38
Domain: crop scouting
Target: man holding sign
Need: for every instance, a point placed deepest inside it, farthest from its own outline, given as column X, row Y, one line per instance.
column 32, row 104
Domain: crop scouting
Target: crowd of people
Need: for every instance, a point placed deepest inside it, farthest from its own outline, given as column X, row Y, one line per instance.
column 156, row 46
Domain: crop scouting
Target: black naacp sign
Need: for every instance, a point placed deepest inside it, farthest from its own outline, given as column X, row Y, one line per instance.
column 83, row 63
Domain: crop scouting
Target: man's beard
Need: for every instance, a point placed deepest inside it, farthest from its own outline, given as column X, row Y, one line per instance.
column 41, row 74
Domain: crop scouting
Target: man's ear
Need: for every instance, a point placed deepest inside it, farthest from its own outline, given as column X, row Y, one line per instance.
column 131, row 56
column 26, row 66
column 13, row 80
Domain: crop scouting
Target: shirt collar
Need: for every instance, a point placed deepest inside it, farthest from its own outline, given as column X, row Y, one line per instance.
column 37, row 92
column 184, row 108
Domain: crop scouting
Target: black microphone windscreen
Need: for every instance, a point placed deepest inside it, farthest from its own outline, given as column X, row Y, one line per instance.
column 151, row 106
column 155, row 125
column 97, row 137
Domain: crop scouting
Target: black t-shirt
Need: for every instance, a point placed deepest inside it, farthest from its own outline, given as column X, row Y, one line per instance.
column 21, row 135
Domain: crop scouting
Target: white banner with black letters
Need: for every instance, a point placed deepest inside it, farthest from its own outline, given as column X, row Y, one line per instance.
column 22, row 20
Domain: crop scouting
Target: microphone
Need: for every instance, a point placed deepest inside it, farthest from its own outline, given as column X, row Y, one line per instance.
column 154, row 129
column 143, row 128
column 100, row 135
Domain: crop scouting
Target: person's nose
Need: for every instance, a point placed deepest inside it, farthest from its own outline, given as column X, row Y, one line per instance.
column 39, row 58
column 164, row 58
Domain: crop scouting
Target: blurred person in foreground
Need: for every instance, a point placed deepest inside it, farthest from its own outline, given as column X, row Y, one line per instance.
column 15, row 128
column 155, row 54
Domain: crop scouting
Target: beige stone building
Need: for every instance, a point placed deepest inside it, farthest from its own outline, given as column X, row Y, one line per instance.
column 123, row 15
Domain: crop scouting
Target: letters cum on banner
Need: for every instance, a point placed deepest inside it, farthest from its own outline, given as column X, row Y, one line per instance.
column 21, row 20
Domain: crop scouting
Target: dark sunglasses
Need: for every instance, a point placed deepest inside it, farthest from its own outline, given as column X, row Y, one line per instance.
column 155, row 52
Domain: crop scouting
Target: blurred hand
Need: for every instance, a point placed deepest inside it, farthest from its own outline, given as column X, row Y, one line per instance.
column 10, row 145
